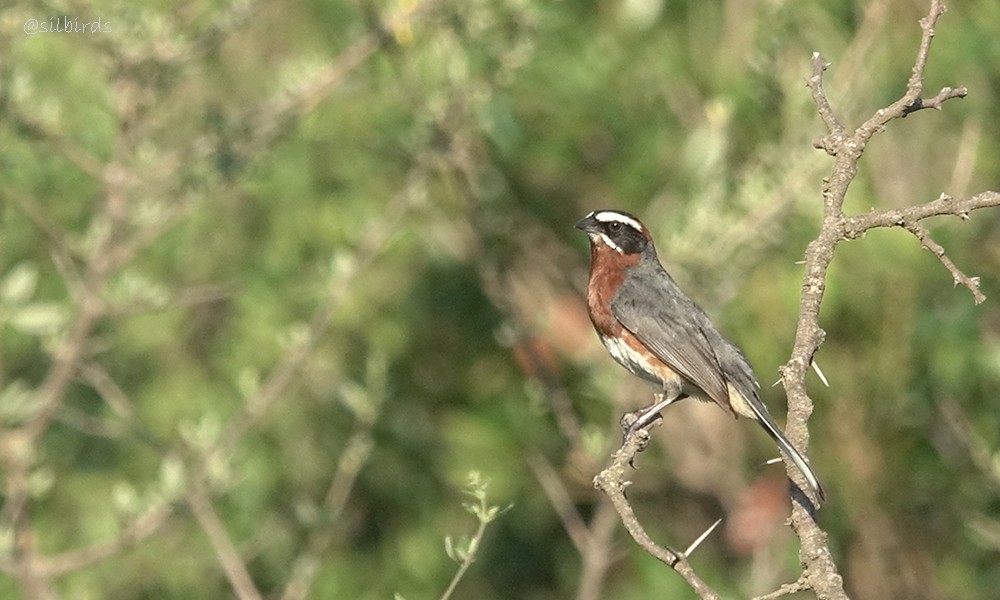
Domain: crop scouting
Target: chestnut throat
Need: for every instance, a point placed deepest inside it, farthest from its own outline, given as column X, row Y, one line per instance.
column 607, row 272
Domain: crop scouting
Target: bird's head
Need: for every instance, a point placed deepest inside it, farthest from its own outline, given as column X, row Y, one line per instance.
column 617, row 231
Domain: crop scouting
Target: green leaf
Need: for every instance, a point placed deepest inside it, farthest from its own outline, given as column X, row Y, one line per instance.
column 171, row 478
column 41, row 318
column 19, row 284
column 248, row 381
column 124, row 498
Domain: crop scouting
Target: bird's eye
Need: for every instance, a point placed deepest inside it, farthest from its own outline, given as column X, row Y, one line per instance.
column 614, row 225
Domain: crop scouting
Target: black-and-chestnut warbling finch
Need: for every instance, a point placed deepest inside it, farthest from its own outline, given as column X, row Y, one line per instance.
column 655, row 331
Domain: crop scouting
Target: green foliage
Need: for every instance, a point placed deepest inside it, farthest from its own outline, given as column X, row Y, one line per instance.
column 317, row 258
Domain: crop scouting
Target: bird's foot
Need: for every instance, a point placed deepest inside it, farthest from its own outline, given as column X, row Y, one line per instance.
column 634, row 421
column 641, row 419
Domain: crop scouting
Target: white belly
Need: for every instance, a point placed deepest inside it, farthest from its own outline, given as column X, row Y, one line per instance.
column 628, row 358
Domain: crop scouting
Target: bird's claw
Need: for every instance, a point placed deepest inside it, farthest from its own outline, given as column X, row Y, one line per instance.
column 634, row 421
column 628, row 420
column 631, row 423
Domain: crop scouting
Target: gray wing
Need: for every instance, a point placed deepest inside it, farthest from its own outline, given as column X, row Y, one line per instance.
column 672, row 326
column 651, row 306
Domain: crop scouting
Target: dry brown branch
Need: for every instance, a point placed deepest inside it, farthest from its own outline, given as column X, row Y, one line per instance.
column 786, row 589
column 613, row 483
column 820, row 571
column 909, row 219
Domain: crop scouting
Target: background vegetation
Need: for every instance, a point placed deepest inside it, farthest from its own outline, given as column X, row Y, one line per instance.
column 276, row 277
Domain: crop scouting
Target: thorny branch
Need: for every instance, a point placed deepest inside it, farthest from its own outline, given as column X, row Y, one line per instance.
column 613, row 483
column 909, row 219
column 820, row 571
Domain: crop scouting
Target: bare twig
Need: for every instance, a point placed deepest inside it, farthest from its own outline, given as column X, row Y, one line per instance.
column 957, row 275
column 786, row 589
column 820, row 570
column 612, row 482
column 855, row 226
column 909, row 218
column 822, row 103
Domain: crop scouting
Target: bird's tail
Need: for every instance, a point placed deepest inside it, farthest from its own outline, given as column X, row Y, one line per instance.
column 767, row 422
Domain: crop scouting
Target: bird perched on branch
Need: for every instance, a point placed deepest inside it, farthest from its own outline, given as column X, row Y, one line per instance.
column 655, row 331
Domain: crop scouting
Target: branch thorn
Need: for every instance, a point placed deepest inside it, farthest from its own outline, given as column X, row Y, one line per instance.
column 701, row 538
column 822, row 377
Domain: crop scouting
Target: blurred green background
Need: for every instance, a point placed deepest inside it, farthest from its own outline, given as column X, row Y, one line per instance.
column 276, row 277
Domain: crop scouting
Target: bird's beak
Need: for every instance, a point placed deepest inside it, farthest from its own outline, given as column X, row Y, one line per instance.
column 588, row 224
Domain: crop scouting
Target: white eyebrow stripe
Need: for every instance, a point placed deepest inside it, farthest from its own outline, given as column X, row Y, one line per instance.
column 607, row 216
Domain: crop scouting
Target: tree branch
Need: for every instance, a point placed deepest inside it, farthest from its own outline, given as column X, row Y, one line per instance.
column 820, row 571
column 612, row 482
column 909, row 218
column 225, row 551
column 73, row 560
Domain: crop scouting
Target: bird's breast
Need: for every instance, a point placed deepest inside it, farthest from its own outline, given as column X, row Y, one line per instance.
column 637, row 360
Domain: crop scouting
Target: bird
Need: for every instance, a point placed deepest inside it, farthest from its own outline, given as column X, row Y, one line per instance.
column 653, row 329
